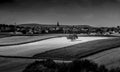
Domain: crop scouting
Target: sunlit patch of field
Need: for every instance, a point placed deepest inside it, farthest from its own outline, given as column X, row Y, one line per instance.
column 33, row 48
column 81, row 50
column 6, row 40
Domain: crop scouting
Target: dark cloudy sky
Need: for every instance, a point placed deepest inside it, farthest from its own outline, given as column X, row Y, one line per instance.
column 90, row 12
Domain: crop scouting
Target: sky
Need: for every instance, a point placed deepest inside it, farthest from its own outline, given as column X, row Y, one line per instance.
column 71, row 12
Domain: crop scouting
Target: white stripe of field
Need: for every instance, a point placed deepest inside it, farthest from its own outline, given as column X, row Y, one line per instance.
column 45, row 45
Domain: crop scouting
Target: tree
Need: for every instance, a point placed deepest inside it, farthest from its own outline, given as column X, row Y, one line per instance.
column 75, row 66
column 72, row 37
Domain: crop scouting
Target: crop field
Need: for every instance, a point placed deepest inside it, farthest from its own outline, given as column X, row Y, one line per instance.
column 30, row 49
column 110, row 58
column 81, row 50
column 13, row 64
column 15, row 40
column 95, row 48
column 3, row 36
column 7, row 40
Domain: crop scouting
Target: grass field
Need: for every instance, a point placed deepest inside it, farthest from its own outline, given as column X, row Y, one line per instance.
column 13, row 64
column 15, row 40
column 110, row 58
column 81, row 50
column 7, row 40
column 30, row 49
column 4, row 36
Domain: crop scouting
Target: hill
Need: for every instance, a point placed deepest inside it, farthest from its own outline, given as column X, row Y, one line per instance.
column 47, row 25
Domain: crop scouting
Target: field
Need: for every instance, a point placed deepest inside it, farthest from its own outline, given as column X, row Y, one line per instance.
column 3, row 36
column 93, row 48
column 7, row 40
column 81, row 50
column 13, row 64
column 110, row 58
column 16, row 40
column 30, row 49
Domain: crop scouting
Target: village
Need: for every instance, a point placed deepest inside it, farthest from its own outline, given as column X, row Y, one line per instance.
column 36, row 29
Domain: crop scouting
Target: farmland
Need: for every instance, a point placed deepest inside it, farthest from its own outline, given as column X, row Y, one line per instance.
column 93, row 47
column 7, row 40
column 13, row 64
column 16, row 40
column 110, row 58
column 3, row 36
column 81, row 50
column 30, row 49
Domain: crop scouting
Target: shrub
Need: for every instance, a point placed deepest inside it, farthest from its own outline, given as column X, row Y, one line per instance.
column 75, row 66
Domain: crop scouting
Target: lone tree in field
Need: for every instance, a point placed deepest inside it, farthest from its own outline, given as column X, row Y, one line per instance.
column 72, row 37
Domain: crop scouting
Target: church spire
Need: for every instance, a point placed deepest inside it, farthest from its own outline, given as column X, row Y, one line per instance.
column 58, row 23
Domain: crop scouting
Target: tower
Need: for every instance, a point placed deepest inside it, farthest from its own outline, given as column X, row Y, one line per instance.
column 58, row 24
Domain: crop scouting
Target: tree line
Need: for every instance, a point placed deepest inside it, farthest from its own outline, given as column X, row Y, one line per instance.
column 75, row 66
